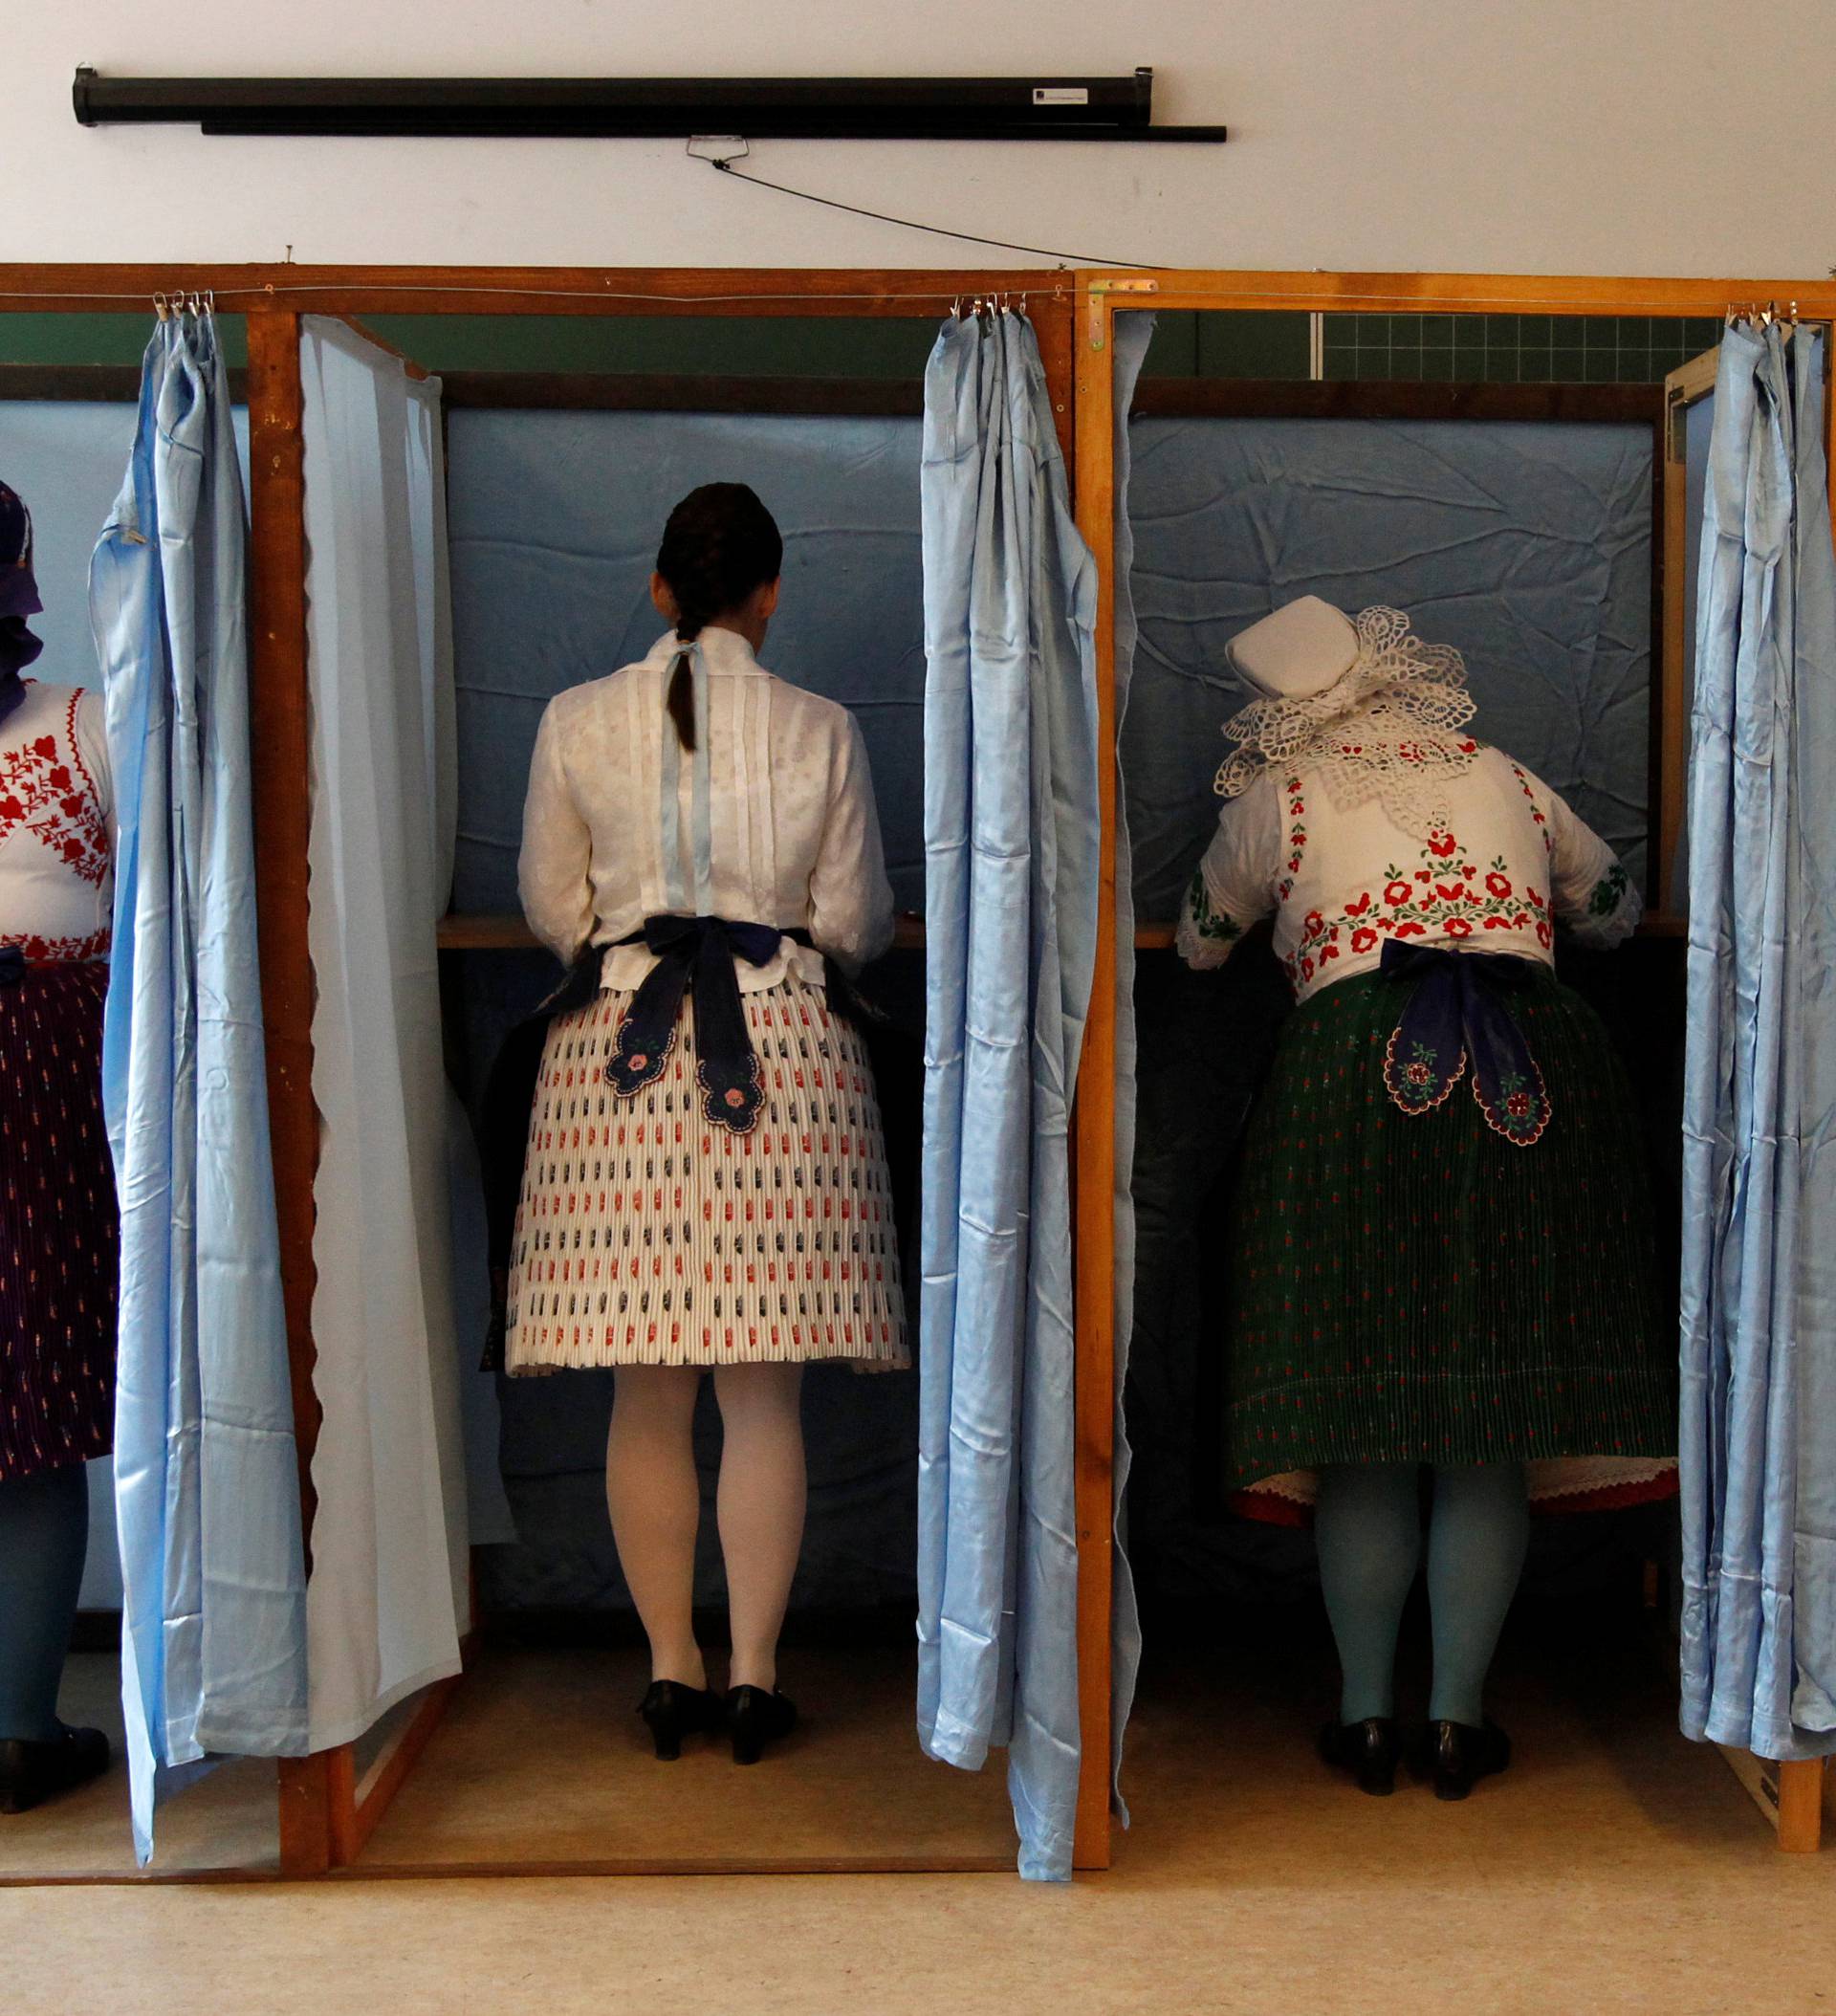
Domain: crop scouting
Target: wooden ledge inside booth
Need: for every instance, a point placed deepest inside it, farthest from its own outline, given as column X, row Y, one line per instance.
column 460, row 930
column 505, row 931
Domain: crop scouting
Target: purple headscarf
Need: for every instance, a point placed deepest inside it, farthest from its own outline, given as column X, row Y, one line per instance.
column 18, row 599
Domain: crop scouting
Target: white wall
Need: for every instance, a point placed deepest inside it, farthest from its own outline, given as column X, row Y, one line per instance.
column 1678, row 137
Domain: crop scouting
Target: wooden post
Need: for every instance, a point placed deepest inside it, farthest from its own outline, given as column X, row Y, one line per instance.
column 280, row 769
column 1801, row 1807
column 1053, row 321
column 1094, row 1124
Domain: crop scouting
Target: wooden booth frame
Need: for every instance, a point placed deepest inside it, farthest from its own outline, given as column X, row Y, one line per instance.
column 328, row 1806
column 1792, row 1794
column 331, row 1801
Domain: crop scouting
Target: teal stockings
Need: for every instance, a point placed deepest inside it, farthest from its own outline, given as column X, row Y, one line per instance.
column 44, row 1535
column 1369, row 1533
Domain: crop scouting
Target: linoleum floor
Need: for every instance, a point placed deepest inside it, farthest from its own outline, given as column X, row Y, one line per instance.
column 1615, row 1868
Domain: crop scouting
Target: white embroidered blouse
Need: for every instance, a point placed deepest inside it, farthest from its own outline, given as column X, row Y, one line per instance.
column 770, row 821
column 57, row 812
column 1342, row 882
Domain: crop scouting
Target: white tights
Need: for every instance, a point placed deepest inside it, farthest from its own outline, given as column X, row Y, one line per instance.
column 654, row 1498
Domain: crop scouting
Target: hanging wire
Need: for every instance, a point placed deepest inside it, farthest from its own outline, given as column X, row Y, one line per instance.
column 911, row 223
column 369, row 289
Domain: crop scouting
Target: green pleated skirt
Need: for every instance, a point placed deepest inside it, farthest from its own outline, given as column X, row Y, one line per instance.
column 1416, row 1289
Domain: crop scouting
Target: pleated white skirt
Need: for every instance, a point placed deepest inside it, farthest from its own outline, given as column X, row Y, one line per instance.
column 647, row 1236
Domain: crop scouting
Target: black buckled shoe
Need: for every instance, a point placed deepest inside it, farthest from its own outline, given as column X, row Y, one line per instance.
column 672, row 1710
column 31, row 1773
column 1369, row 1751
column 1456, row 1755
column 755, row 1719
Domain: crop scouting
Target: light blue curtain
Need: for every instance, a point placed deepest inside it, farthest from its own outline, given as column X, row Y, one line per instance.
column 1133, row 333
column 1759, row 1290
column 1011, row 852
column 207, row 1487
column 65, row 458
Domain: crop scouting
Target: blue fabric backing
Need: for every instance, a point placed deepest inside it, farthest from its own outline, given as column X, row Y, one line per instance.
column 1526, row 544
column 65, row 457
column 554, row 520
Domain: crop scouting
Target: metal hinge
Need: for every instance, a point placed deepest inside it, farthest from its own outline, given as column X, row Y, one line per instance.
column 1098, row 320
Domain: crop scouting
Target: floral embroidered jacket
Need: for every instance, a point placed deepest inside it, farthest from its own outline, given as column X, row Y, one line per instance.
column 56, row 875
column 1341, row 883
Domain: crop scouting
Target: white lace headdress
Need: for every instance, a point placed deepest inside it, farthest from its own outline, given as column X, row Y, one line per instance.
column 1389, row 728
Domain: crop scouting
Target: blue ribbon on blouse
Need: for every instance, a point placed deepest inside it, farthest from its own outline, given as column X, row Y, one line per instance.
column 1458, row 1010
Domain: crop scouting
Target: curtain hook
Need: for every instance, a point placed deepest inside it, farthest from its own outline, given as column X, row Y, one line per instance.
column 159, row 306
column 956, row 308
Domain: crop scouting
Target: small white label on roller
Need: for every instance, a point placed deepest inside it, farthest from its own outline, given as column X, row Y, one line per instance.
column 1061, row 94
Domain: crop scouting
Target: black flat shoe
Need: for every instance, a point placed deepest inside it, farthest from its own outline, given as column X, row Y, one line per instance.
column 1456, row 1755
column 755, row 1719
column 31, row 1773
column 671, row 1711
column 1369, row 1751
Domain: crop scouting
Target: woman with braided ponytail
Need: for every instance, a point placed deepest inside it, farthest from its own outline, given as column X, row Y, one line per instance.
column 705, row 1186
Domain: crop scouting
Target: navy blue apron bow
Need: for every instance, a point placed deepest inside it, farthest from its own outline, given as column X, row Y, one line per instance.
column 696, row 953
column 12, row 965
column 1457, row 1012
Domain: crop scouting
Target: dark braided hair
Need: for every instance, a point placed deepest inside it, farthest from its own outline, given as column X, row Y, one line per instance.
column 719, row 545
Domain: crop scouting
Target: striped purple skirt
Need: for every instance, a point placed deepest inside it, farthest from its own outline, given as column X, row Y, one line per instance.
column 59, row 1239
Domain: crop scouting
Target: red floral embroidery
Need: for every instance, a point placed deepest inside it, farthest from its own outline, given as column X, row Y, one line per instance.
column 1297, row 840
column 58, row 951
column 43, row 795
column 1449, row 896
